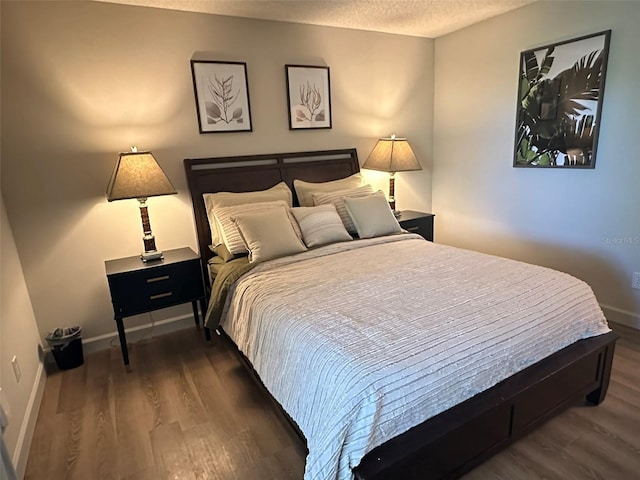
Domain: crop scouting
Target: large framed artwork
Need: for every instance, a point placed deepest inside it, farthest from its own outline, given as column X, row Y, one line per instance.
column 222, row 96
column 560, row 103
column 308, row 97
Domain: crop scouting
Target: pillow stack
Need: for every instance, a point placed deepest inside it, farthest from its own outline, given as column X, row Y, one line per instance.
column 227, row 199
column 264, row 225
column 230, row 235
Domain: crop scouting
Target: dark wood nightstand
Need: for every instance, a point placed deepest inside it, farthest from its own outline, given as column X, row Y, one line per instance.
column 137, row 287
column 417, row 222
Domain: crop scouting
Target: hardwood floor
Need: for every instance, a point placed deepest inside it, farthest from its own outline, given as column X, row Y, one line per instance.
column 185, row 410
column 188, row 409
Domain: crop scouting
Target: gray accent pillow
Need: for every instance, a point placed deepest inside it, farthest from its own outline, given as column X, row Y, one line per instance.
column 372, row 215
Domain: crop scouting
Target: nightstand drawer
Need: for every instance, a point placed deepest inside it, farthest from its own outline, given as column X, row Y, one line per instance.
column 150, row 289
column 417, row 222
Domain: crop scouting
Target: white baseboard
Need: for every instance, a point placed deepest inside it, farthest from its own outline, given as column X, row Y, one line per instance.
column 23, row 445
column 623, row 317
column 135, row 334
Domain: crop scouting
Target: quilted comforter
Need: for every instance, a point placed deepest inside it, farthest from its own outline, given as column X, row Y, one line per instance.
column 360, row 341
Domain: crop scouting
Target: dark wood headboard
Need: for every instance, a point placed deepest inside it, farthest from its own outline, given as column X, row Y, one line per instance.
column 258, row 172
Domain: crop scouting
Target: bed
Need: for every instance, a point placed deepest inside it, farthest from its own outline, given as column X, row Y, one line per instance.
column 459, row 436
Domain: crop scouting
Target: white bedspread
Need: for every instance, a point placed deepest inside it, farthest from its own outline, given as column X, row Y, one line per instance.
column 360, row 341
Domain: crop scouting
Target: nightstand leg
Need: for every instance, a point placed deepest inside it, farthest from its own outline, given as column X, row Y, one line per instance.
column 194, row 305
column 123, row 341
column 203, row 308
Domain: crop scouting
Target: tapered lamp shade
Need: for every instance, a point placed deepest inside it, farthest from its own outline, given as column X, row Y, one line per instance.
column 138, row 175
column 392, row 155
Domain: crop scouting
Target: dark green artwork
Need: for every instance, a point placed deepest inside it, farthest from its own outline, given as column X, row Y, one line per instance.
column 560, row 102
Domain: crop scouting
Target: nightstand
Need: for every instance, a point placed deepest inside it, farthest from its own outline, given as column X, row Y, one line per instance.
column 417, row 222
column 137, row 287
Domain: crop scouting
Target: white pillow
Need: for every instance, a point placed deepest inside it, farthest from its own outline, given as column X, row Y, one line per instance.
column 268, row 235
column 227, row 199
column 320, row 225
column 228, row 230
column 372, row 215
column 336, row 198
column 305, row 190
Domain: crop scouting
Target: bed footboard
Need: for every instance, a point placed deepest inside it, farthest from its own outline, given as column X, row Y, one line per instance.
column 457, row 440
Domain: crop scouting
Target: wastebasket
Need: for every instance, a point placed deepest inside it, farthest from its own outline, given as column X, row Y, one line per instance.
column 66, row 346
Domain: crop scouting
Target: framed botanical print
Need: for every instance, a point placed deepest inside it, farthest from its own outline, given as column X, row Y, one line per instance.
column 308, row 97
column 222, row 96
column 560, row 103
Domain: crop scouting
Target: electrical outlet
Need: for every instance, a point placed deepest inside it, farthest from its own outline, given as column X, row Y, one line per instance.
column 635, row 280
column 16, row 368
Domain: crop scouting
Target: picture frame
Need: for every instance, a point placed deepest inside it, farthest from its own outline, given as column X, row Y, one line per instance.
column 560, row 93
column 221, row 91
column 308, row 97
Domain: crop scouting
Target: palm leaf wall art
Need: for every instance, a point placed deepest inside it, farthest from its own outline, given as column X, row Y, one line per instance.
column 560, row 103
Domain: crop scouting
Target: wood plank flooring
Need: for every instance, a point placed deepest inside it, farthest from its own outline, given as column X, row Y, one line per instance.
column 188, row 409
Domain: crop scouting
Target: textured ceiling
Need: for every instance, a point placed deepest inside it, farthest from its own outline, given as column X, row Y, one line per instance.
column 421, row 18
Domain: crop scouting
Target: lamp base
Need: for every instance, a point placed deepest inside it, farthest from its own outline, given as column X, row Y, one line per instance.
column 150, row 256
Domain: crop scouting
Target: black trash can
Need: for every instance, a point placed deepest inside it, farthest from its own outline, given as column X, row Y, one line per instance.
column 66, row 346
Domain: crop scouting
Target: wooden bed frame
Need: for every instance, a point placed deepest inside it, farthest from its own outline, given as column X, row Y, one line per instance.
column 455, row 441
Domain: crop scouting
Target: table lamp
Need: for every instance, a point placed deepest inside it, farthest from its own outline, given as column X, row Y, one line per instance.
column 392, row 155
column 138, row 175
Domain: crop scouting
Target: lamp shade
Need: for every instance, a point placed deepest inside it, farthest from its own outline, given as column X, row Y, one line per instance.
column 392, row 155
column 138, row 175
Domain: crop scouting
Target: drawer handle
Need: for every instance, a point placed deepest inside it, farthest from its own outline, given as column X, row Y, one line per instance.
column 157, row 279
column 160, row 295
column 413, row 229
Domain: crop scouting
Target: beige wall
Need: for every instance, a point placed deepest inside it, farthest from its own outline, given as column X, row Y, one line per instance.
column 582, row 222
column 82, row 81
column 18, row 337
